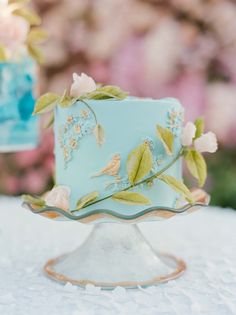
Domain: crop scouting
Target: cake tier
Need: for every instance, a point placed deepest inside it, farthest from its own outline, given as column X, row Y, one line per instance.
column 127, row 124
column 19, row 130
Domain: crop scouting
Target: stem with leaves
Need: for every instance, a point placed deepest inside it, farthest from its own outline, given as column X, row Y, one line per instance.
column 146, row 180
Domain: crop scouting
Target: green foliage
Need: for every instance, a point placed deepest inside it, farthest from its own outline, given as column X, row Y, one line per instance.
column 50, row 121
column 46, row 103
column 99, row 134
column 66, row 100
column 139, row 163
column 167, row 138
column 199, row 123
column 196, row 165
column 221, row 174
column 177, row 185
column 131, row 198
column 35, row 52
column 87, row 199
column 37, row 35
column 34, row 201
column 106, row 92
column 31, row 17
column 3, row 56
column 21, row 2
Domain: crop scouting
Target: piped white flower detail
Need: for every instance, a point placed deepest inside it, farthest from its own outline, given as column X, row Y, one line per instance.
column 82, row 84
column 188, row 134
column 206, row 143
column 59, row 197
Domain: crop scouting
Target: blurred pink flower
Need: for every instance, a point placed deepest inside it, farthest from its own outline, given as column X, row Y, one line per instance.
column 11, row 184
column 99, row 71
column 161, row 60
column 127, row 71
column 27, row 158
column 47, row 146
column 33, row 181
column 221, row 112
column 190, row 89
column 49, row 164
column 13, row 31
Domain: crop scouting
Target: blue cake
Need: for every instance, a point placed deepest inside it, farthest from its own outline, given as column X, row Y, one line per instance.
column 85, row 167
column 120, row 155
column 19, row 130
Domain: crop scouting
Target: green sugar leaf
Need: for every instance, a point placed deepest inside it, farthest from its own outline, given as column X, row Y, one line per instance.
column 131, row 198
column 46, row 103
column 30, row 16
column 66, row 100
column 139, row 163
column 87, row 199
column 167, row 138
column 196, row 165
column 99, row 134
column 37, row 35
column 21, row 2
column 3, row 56
column 50, row 121
column 107, row 92
column 177, row 185
column 199, row 123
column 35, row 52
column 35, row 201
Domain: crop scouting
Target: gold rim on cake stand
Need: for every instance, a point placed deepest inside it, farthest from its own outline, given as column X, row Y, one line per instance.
column 180, row 267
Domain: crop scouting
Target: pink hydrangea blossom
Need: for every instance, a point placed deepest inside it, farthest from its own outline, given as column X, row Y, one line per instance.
column 34, row 180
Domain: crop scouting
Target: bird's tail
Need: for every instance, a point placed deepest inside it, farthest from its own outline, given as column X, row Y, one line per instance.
column 96, row 174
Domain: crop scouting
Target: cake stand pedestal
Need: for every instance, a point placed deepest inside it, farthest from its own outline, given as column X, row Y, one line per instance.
column 115, row 254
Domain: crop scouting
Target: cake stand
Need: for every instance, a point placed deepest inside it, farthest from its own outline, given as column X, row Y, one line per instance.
column 116, row 253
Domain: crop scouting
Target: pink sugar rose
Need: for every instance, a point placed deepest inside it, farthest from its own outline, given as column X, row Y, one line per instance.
column 58, row 197
column 206, row 143
column 82, row 84
column 188, row 134
column 13, row 31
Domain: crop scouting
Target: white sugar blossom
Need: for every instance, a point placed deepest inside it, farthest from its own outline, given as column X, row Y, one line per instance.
column 82, row 84
column 58, row 197
column 13, row 30
column 206, row 143
column 188, row 134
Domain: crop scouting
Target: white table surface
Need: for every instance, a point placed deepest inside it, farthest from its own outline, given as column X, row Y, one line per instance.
column 206, row 240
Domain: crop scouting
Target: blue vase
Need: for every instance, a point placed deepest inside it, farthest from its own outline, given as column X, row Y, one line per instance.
column 19, row 130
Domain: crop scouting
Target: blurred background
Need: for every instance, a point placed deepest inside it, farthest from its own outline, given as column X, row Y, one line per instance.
column 179, row 48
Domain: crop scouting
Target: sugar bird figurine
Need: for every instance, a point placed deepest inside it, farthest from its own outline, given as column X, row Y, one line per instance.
column 112, row 168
